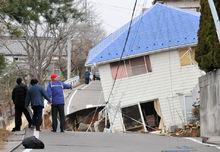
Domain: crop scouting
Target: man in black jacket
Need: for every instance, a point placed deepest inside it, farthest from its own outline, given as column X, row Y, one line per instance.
column 18, row 97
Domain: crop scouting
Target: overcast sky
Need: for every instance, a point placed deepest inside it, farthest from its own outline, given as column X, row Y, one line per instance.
column 115, row 13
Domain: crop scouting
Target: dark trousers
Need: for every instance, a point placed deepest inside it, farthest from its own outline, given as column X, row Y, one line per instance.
column 86, row 80
column 58, row 109
column 37, row 116
column 18, row 114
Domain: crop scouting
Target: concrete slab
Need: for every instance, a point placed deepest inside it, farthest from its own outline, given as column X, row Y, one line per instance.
column 84, row 96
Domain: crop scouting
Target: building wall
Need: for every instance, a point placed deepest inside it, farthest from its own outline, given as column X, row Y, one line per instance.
column 210, row 104
column 166, row 81
column 184, row 4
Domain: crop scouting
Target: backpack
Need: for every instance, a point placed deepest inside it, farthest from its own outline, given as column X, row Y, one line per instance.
column 32, row 143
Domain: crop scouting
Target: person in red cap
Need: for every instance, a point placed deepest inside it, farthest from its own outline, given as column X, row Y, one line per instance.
column 55, row 92
column 53, row 76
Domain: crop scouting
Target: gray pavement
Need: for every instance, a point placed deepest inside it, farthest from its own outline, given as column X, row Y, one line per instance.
column 13, row 141
column 117, row 142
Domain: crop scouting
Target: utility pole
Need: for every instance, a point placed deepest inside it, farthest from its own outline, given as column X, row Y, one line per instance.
column 215, row 17
column 68, row 57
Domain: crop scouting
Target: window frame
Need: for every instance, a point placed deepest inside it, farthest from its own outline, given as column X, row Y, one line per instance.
column 127, row 67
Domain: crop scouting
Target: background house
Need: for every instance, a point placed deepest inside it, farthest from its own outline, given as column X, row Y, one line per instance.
column 13, row 51
column 156, row 77
column 183, row 4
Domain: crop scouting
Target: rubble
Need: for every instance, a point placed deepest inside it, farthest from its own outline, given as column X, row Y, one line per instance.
column 189, row 130
column 3, row 135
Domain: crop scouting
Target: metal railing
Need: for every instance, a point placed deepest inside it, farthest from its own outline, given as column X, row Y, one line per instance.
column 74, row 80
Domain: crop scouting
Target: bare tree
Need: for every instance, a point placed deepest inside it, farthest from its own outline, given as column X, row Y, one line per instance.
column 83, row 37
column 42, row 27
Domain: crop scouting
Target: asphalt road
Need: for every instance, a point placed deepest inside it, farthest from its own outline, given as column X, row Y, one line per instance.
column 116, row 142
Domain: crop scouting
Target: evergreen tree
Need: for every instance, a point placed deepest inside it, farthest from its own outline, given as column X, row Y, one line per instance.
column 208, row 50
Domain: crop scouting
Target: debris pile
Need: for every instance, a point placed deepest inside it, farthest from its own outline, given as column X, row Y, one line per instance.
column 189, row 130
column 3, row 135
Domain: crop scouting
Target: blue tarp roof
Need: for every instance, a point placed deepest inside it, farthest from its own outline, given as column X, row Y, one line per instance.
column 158, row 28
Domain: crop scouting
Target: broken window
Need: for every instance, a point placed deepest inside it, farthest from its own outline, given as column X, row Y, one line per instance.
column 151, row 118
column 132, row 118
column 187, row 56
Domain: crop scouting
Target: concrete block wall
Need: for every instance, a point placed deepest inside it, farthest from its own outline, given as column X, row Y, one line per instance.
column 210, row 104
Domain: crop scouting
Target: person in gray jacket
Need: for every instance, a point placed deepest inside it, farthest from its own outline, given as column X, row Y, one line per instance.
column 35, row 96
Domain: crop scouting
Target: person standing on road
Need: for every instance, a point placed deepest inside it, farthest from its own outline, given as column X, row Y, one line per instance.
column 35, row 96
column 18, row 97
column 87, row 76
column 55, row 92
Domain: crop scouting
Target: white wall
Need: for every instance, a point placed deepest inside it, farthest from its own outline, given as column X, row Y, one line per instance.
column 164, row 82
column 189, row 5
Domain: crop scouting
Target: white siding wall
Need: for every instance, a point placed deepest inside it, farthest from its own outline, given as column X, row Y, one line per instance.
column 166, row 80
column 189, row 5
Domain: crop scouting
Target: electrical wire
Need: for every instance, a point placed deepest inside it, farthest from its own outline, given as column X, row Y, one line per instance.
column 125, row 44
column 120, row 60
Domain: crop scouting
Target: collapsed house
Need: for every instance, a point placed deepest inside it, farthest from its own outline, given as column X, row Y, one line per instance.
column 157, row 73
column 86, row 111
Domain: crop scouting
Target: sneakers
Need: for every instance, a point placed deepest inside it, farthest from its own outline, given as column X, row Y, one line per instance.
column 38, row 128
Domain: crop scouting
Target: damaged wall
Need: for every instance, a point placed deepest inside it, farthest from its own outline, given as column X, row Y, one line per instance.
column 210, row 104
column 167, row 79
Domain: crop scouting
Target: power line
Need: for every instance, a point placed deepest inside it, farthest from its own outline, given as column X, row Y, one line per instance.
column 113, row 6
column 125, row 44
column 126, row 40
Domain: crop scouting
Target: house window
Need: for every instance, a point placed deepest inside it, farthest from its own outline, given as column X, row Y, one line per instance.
column 137, row 66
column 121, row 73
column 131, row 67
column 187, row 56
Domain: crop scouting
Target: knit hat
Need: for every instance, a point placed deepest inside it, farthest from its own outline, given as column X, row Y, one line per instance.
column 53, row 76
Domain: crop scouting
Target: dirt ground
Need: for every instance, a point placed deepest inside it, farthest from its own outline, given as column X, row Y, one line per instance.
column 3, row 136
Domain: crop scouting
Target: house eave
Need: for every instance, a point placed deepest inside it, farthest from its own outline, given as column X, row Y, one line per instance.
column 141, row 54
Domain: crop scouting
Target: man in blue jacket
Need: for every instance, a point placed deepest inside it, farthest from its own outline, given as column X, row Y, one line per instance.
column 36, row 95
column 55, row 92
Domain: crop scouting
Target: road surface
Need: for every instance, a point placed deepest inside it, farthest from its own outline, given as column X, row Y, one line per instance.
column 116, row 142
